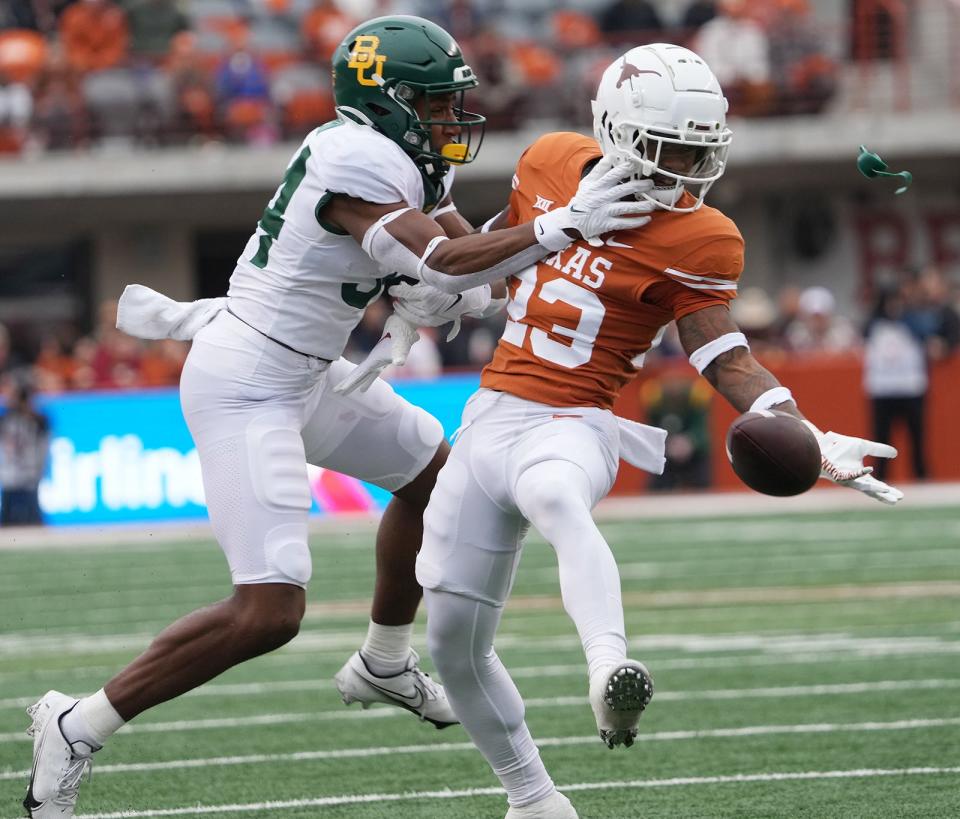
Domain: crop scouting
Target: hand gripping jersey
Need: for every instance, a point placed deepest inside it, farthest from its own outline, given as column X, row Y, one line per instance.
column 577, row 318
column 303, row 282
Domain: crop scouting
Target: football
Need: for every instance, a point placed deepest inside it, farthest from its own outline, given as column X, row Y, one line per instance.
column 773, row 453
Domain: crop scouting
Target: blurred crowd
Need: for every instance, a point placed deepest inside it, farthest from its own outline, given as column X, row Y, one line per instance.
column 913, row 322
column 76, row 74
column 924, row 305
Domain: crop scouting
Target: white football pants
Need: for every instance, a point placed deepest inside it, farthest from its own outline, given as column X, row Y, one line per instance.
column 259, row 413
column 516, row 461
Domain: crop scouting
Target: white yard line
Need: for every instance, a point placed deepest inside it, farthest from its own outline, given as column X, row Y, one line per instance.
column 837, row 689
column 686, row 781
column 223, row 690
column 546, row 742
column 876, row 650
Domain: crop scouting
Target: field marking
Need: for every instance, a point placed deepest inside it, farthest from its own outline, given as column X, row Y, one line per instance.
column 546, row 742
column 832, row 656
column 354, row 799
column 37, row 643
column 282, row 718
column 823, row 689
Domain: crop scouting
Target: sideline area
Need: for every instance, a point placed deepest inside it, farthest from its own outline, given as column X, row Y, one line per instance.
column 681, row 505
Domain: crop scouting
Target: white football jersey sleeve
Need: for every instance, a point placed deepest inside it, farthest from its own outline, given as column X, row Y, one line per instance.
column 303, row 282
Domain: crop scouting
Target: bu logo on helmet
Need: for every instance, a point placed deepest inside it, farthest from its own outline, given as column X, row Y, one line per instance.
column 364, row 56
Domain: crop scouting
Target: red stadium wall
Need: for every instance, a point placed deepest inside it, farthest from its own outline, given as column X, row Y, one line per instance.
column 829, row 390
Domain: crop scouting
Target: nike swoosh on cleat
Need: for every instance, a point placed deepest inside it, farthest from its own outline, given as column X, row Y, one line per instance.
column 415, row 701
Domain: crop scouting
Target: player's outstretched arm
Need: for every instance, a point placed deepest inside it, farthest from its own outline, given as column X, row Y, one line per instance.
column 402, row 239
column 718, row 350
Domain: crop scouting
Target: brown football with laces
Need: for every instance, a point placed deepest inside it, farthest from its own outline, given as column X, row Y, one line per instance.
column 773, row 452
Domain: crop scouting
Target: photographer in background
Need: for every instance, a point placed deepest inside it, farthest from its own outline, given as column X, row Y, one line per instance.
column 24, row 448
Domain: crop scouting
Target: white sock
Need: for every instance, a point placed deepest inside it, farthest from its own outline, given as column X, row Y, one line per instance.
column 387, row 648
column 93, row 721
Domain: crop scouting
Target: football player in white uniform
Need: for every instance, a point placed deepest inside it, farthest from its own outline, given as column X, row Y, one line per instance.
column 265, row 391
column 539, row 443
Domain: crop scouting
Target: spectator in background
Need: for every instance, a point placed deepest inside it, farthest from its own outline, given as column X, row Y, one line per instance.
column 94, row 34
column 817, row 328
column 161, row 363
column 322, row 29
column 680, row 405
column 116, row 356
column 153, row 24
column 16, row 105
column 243, row 93
column 194, row 106
column 60, row 118
column 696, row 15
column 54, row 367
column 788, row 311
column 461, row 18
column 501, row 92
column 24, row 449
column 803, row 76
column 938, row 319
column 895, row 375
column 736, row 48
column 756, row 316
column 634, row 22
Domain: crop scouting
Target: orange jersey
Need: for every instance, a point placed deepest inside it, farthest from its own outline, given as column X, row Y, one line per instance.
column 578, row 318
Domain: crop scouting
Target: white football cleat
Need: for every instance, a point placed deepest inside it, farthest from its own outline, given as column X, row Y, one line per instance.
column 618, row 695
column 411, row 689
column 58, row 765
column 555, row 806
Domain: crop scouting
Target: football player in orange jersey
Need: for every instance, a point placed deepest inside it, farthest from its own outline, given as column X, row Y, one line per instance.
column 538, row 442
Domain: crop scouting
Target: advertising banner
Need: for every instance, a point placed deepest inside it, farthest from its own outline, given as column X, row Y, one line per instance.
column 128, row 456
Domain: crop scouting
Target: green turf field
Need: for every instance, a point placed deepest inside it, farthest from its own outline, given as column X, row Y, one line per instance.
column 805, row 666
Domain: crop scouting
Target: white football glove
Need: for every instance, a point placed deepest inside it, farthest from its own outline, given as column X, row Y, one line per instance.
column 596, row 207
column 424, row 306
column 392, row 348
column 842, row 462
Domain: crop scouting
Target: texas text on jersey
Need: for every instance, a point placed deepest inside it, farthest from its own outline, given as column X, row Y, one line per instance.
column 578, row 318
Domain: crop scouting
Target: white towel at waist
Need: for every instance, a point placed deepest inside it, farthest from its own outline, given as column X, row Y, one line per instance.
column 642, row 446
column 145, row 313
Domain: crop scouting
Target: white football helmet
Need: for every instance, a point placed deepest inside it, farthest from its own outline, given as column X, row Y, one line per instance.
column 664, row 95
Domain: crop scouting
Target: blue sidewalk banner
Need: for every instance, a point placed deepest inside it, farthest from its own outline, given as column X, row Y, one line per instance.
column 128, row 456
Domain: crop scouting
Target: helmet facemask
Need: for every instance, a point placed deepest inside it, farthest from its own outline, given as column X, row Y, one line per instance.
column 647, row 149
column 417, row 135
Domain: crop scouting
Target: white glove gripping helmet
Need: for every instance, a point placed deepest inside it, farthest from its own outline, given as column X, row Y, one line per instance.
column 664, row 95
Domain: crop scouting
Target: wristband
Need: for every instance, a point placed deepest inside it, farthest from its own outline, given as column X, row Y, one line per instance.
column 770, row 398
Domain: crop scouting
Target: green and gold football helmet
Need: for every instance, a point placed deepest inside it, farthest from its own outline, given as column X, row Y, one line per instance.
column 385, row 64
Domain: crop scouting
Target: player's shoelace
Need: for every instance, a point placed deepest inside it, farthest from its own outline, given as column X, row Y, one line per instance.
column 423, row 681
column 69, row 785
